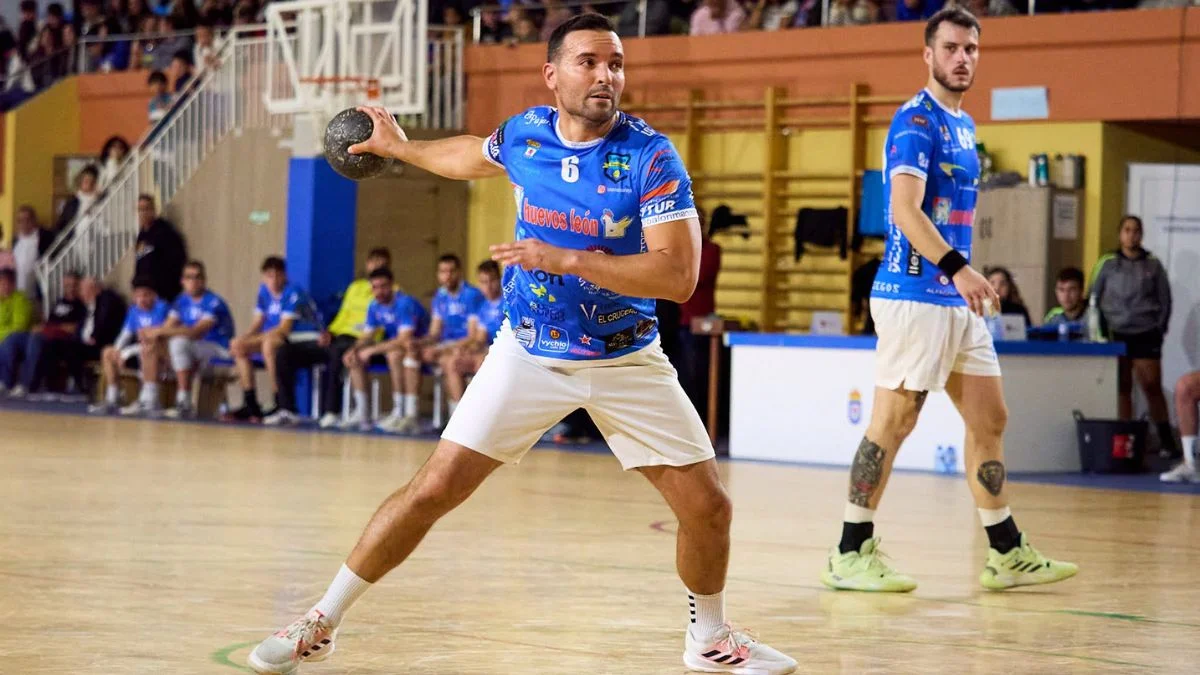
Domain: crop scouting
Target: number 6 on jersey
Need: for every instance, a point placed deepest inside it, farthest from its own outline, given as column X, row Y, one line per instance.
column 570, row 169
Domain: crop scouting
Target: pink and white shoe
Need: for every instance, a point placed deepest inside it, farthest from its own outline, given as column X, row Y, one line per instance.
column 737, row 652
column 309, row 638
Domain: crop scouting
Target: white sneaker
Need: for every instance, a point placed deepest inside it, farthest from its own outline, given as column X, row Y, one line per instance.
column 140, row 409
column 1180, row 474
column 329, row 420
column 181, row 411
column 356, row 422
column 18, row 392
column 390, row 424
column 408, row 425
column 281, row 418
column 309, row 638
column 737, row 652
column 104, row 408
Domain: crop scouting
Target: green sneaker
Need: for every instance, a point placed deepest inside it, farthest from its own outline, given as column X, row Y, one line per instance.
column 1023, row 566
column 864, row 570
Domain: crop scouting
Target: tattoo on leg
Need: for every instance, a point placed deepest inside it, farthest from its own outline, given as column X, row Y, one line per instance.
column 991, row 476
column 866, row 472
column 921, row 400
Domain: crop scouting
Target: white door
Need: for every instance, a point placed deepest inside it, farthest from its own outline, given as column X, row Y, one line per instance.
column 1167, row 198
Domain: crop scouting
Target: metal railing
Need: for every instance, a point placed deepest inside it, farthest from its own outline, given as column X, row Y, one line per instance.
column 444, row 108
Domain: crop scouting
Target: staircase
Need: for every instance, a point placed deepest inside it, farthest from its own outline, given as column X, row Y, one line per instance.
column 222, row 100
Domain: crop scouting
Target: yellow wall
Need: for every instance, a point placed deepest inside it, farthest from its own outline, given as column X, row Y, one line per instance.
column 35, row 133
column 490, row 217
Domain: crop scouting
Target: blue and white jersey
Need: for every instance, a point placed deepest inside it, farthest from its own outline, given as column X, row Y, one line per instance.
column 292, row 303
column 137, row 318
column 190, row 311
column 937, row 145
column 595, row 196
column 402, row 313
column 456, row 309
column 491, row 315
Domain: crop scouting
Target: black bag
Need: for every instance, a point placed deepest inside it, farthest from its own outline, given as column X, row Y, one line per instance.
column 1111, row 446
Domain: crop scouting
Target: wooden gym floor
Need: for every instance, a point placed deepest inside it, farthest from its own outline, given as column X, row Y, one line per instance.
column 155, row 547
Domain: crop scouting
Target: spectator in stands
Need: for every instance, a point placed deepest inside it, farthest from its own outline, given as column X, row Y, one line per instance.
column 27, row 30
column 244, row 15
column 7, row 261
column 556, row 14
column 161, row 251
column 198, row 330
column 343, row 332
column 204, row 53
column 170, row 45
column 387, row 337
column 771, row 14
column 853, row 12
column 56, row 18
column 87, row 192
column 181, row 70
column 184, row 14
column 525, row 29
column 24, row 350
column 160, row 98
column 658, row 18
column 282, row 313
column 146, row 49
column 116, row 148
column 16, row 317
column 30, row 243
column 46, row 69
column 136, row 15
column 452, row 15
column 1134, row 296
column 217, row 12
column 455, row 314
column 1187, row 397
column 104, row 315
column 119, row 18
column 491, row 316
column 18, row 79
column 493, row 28
column 138, row 346
column 1010, row 296
column 1068, row 290
column 717, row 16
column 917, row 10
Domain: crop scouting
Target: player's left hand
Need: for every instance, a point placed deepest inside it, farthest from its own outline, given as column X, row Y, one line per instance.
column 532, row 254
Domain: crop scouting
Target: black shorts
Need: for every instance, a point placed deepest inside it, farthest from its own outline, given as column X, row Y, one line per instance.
column 1141, row 345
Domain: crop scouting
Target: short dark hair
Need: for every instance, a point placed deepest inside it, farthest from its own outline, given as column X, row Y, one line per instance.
column 274, row 262
column 26, row 208
column 380, row 252
column 490, row 267
column 143, row 281
column 198, row 266
column 955, row 15
column 55, row 9
column 450, row 258
column 90, row 169
column 73, row 273
column 205, row 22
column 586, row 21
column 1070, row 274
column 147, row 197
column 157, row 77
column 382, row 273
column 28, row 5
column 1136, row 219
column 184, row 55
column 10, row 274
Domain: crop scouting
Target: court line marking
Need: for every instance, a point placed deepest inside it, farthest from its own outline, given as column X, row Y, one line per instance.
column 221, row 656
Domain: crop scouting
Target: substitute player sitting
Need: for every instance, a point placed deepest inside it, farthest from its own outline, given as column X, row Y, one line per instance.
column 137, row 346
column 455, row 312
column 197, row 331
column 491, row 316
column 928, row 303
column 599, row 180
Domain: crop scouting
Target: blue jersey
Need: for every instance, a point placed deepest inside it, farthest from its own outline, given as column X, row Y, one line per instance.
column 293, row 303
column 456, row 310
column 137, row 318
column 491, row 315
column 938, row 146
column 594, row 196
column 402, row 313
column 190, row 311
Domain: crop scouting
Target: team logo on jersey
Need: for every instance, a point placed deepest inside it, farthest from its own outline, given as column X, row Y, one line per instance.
column 922, row 161
column 534, row 119
column 543, row 294
column 525, row 333
column 945, row 133
column 643, row 328
column 854, row 407
column 548, row 313
column 553, row 339
column 545, row 277
column 615, row 342
column 919, row 120
column 616, row 166
column 531, row 148
column 948, row 168
column 941, row 211
column 612, row 317
column 585, row 340
column 614, row 229
column 915, row 262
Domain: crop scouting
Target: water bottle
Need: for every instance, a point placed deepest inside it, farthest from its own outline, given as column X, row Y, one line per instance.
column 1064, row 332
column 1093, row 321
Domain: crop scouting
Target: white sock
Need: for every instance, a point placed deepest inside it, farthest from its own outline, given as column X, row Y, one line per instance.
column 410, row 405
column 857, row 514
column 360, row 403
column 990, row 517
column 150, row 394
column 183, row 397
column 398, row 405
column 345, row 590
column 1189, row 451
column 112, row 395
column 707, row 614
column 452, row 405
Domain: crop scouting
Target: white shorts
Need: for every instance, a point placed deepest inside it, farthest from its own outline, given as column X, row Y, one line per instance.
column 635, row 400
column 130, row 352
column 189, row 354
column 920, row 344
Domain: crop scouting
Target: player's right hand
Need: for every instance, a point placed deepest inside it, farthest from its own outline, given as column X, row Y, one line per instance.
column 975, row 289
column 386, row 136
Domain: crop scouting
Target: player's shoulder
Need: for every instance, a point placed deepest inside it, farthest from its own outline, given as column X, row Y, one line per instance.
column 635, row 133
column 535, row 122
column 916, row 111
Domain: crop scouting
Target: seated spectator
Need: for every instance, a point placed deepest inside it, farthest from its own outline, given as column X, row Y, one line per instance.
column 119, row 17
column 1187, row 397
column 455, row 315
column 917, row 10
column 493, row 28
column 392, row 323
column 658, row 18
column 160, row 98
column 145, row 48
column 161, row 251
column 18, row 79
column 137, row 346
column 244, row 15
column 27, row 30
column 137, row 13
column 556, row 14
column 343, row 332
column 1068, row 290
column 198, row 329
column 1010, row 296
column 30, row 242
column 217, row 12
column 171, row 44
column 717, row 16
column 24, row 350
column 282, row 313
column 525, row 30
column 115, row 150
column 491, row 316
column 184, row 14
column 181, row 70
column 853, row 12
column 772, row 14
column 16, row 317
column 101, row 321
column 87, row 192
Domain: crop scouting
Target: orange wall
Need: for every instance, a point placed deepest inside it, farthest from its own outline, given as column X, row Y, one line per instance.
column 1102, row 66
column 112, row 104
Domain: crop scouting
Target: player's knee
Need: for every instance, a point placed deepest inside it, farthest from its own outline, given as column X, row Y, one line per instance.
column 395, row 358
column 896, row 421
column 179, row 348
column 718, row 510
column 993, row 424
column 1187, row 391
column 434, row 495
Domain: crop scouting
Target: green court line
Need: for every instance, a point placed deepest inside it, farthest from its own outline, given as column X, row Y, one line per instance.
column 221, row 656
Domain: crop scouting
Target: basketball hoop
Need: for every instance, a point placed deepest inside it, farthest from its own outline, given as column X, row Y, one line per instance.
column 344, row 91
